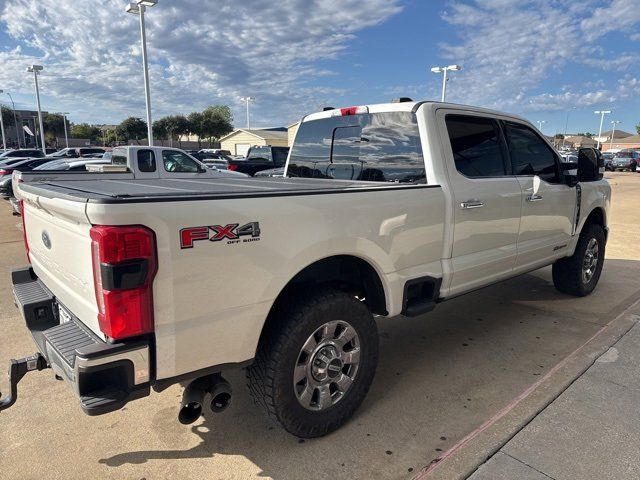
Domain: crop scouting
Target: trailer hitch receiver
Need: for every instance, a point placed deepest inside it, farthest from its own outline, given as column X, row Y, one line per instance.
column 17, row 370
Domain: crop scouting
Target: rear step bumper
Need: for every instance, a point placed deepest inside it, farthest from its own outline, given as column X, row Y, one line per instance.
column 104, row 376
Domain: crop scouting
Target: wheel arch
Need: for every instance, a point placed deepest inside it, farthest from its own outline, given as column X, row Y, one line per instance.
column 597, row 216
column 348, row 273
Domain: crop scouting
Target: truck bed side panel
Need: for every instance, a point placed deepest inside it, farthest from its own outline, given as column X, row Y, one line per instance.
column 211, row 300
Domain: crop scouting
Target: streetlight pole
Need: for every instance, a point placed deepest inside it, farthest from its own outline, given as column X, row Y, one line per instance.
column 64, row 118
column 602, row 113
column 540, row 124
column 247, row 100
column 613, row 132
column 566, row 125
column 35, row 69
column 15, row 120
column 4, row 141
column 139, row 8
column 444, row 71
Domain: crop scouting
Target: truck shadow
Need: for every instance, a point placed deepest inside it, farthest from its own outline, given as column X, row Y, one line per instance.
column 439, row 377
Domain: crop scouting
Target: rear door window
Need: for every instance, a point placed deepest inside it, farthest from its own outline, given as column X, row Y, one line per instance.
column 476, row 146
column 146, row 161
column 375, row 147
column 530, row 154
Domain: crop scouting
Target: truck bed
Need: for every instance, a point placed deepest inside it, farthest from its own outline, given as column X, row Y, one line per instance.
column 158, row 190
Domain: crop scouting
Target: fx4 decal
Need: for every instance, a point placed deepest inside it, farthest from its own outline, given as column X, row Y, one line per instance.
column 232, row 233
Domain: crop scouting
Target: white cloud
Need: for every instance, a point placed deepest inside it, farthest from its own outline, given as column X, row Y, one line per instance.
column 511, row 50
column 201, row 52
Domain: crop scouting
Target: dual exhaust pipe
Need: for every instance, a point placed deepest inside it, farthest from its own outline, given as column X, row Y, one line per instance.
column 211, row 391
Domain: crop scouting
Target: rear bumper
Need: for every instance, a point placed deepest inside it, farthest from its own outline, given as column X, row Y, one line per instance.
column 104, row 376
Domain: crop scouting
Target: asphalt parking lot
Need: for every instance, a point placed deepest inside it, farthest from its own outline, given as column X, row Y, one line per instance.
column 440, row 378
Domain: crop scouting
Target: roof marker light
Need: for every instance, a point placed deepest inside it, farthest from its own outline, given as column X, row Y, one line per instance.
column 347, row 111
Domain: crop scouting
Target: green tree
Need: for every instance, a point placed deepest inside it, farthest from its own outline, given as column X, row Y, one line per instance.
column 7, row 116
column 84, row 130
column 132, row 128
column 638, row 128
column 161, row 129
column 217, row 122
column 559, row 136
column 53, row 126
column 196, row 126
column 7, row 119
column 177, row 125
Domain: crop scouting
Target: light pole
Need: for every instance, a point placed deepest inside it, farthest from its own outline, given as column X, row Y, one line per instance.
column 566, row 125
column 247, row 100
column 64, row 119
column 602, row 113
column 444, row 71
column 15, row 121
column 540, row 124
column 4, row 142
column 138, row 8
column 613, row 132
column 35, row 69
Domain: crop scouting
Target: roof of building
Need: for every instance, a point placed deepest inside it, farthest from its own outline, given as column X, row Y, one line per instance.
column 618, row 134
column 629, row 139
column 260, row 133
column 581, row 139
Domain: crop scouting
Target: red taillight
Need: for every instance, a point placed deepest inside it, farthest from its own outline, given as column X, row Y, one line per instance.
column 124, row 265
column 24, row 230
column 6, row 171
column 232, row 167
column 351, row 111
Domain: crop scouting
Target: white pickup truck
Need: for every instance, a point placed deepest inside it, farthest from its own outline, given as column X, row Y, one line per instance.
column 393, row 209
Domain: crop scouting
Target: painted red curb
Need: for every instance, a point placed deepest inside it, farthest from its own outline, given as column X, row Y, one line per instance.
column 428, row 469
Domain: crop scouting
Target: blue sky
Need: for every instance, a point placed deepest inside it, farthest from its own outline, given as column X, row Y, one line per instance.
column 537, row 58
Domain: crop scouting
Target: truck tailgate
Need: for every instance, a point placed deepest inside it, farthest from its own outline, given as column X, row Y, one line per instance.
column 57, row 233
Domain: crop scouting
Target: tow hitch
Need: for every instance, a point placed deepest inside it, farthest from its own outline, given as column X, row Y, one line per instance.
column 17, row 370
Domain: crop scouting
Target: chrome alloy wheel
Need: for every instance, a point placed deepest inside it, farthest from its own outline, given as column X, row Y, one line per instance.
column 327, row 365
column 590, row 261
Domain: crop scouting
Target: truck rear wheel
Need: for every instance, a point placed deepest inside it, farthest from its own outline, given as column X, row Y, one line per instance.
column 578, row 274
column 314, row 366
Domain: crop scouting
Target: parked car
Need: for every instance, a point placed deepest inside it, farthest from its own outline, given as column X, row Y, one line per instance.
column 21, row 153
column 77, row 152
column 626, row 160
column 22, row 166
column 220, row 160
column 260, row 158
column 126, row 163
column 72, row 165
column 134, row 284
column 272, row 172
column 215, row 150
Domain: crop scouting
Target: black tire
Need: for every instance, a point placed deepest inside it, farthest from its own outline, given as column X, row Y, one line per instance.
column 270, row 378
column 568, row 272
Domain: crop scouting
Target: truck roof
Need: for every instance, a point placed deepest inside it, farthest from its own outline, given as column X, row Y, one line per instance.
column 410, row 106
column 183, row 189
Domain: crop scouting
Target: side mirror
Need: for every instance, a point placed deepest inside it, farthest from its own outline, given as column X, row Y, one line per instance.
column 570, row 173
column 590, row 165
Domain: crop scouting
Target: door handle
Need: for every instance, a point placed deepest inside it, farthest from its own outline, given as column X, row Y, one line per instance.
column 469, row 204
column 534, row 198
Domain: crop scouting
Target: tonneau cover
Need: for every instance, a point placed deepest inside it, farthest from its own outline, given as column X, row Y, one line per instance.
column 138, row 190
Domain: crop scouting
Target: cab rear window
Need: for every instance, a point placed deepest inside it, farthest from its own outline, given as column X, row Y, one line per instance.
column 374, row 147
